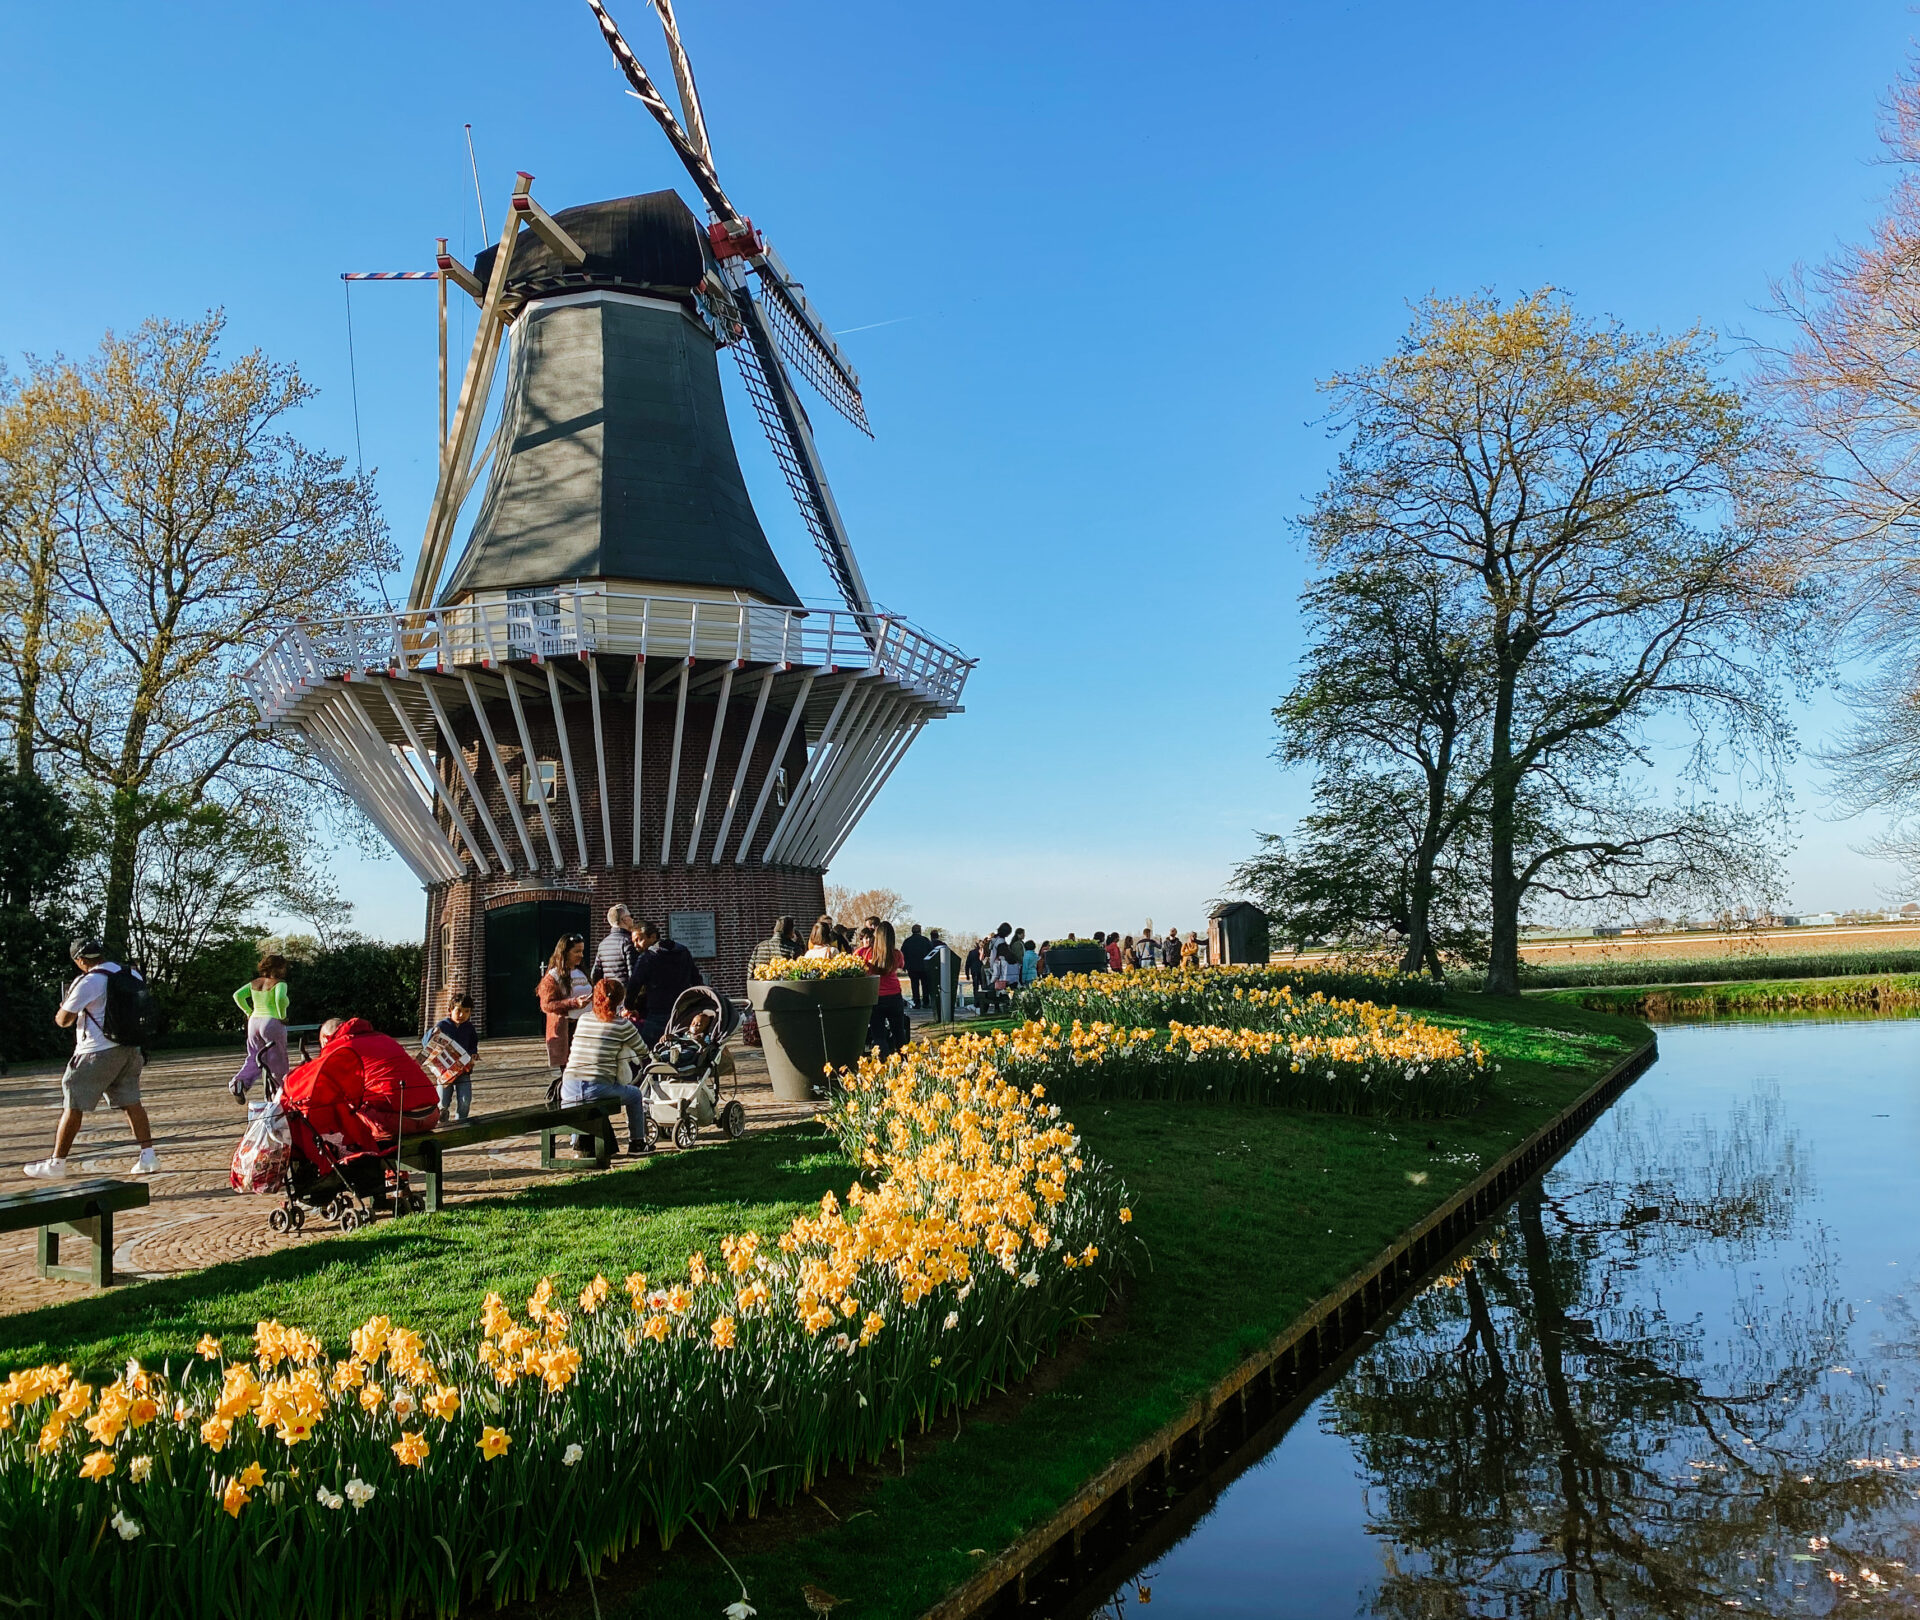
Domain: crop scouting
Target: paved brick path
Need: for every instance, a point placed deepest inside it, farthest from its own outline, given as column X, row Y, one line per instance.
column 195, row 1218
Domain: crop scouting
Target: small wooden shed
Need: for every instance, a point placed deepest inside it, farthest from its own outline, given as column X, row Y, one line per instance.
column 1237, row 932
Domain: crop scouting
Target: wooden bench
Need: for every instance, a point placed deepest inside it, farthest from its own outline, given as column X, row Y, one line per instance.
column 76, row 1209
column 428, row 1153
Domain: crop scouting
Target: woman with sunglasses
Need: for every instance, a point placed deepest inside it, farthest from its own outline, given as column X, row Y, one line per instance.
column 564, row 991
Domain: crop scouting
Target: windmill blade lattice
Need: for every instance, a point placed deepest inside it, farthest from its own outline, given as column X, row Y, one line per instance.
column 788, row 433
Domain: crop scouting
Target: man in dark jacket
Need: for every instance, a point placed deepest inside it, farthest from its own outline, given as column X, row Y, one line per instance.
column 662, row 970
column 615, row 958
column 915, row 948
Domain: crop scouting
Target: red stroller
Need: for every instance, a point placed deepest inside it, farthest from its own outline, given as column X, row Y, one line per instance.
column 347, row 1112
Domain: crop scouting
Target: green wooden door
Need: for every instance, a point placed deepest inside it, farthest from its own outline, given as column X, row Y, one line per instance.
column 519, row 940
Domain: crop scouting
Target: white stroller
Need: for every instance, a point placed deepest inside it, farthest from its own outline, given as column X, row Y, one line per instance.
column 683, row 1080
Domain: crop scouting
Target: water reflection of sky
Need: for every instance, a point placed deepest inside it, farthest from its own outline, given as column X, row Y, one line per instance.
column 1679, row 1377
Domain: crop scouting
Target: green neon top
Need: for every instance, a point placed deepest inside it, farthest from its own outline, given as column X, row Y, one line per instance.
column 268, row 1003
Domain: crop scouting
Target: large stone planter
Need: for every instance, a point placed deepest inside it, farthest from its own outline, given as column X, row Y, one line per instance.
column 807, row 1025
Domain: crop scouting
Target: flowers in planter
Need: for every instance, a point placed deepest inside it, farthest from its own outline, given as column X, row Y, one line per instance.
column 842, row 966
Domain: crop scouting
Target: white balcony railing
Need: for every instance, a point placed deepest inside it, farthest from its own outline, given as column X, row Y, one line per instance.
column 563, row 623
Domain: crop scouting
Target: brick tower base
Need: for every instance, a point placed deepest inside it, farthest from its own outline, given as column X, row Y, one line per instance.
column 743, row 900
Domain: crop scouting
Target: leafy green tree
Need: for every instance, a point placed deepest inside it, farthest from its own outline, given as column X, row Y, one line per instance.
column 1390, row 710
column 1635, row 545
column 39, row 846
column 1359, row 873
column 199, row 527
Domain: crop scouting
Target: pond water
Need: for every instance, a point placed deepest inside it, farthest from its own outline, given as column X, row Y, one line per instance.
column 1678, row 1376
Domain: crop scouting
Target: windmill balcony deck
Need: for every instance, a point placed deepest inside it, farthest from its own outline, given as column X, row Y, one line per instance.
column 654, row 714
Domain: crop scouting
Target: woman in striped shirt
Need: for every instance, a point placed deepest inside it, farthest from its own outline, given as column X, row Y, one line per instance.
column 603, row 1041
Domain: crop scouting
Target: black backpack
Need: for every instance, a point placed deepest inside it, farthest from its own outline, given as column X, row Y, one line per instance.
column 128, row 1017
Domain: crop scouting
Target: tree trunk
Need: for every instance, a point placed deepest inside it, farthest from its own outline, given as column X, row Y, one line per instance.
column 33, row 633
column 1504, row 891
column 123, row 850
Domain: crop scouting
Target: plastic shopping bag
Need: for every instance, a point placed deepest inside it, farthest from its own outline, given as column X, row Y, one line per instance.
column 260, row 1161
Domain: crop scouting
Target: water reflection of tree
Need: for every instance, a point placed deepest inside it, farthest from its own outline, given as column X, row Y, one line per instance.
column 1562, row 1430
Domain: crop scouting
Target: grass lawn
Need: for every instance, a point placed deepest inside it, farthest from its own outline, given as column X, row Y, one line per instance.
column 1871, row 995
column 1247, row 1216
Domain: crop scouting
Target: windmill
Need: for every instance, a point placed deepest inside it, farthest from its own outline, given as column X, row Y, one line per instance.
column 614, row 693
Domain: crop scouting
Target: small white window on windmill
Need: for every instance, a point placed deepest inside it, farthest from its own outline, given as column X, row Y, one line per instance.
column 780, row 788
column 539, row 782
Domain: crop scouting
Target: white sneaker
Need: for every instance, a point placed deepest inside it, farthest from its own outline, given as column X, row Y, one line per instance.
column 47, row 1169
column 146, row 1164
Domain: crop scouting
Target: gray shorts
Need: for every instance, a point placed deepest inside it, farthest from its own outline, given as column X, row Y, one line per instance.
column 112, row 1075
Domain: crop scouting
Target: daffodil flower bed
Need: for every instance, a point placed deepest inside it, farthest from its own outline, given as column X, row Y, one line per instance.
column 842, row 966
column 1338, row 1057
column 407, row 1475
column 1156, row 997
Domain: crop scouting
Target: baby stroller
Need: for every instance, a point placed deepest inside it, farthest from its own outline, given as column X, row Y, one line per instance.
column 347, row 1188
column 682, row 1081
column 341, row 1114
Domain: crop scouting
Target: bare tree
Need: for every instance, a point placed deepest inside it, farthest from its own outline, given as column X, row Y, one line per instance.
column 39, row 500
column 201, row 527
column 850, row 908
column 1633, row 542
column 1847, row 378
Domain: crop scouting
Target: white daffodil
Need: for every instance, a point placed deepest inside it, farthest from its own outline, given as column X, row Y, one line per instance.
column 359, row 1493
column 139, row 1468
column 952, row 1321
column 572, row 1455
column 126, row 1527
column 330, row 1499
column 743, row 1610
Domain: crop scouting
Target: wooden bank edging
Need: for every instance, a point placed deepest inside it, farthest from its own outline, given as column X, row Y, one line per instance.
column 1097, row 1521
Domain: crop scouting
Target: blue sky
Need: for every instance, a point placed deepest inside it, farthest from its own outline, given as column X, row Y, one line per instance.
column 1101, row 255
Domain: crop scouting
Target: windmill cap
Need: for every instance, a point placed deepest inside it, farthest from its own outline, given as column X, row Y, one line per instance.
column 646, row 244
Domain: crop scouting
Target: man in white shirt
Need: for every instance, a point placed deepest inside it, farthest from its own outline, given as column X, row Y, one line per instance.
column 102, row 1069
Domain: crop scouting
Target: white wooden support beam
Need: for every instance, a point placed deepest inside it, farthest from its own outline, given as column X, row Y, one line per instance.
column 673, row 764
column 459, row 757
column 531, row 763
column 713, row 758
column 546, row 227
column 599, row 753
column 424, row 760
column 880, row 781
column 833, row 828
column 858, row 739
column 500, row 772
column 400, row 786
column 855, row 728
column 860, row 754
column 639, row 741
column 746, row 759
column 798, row 797
column 566, row 765
column 794, row 717
column 357, row 775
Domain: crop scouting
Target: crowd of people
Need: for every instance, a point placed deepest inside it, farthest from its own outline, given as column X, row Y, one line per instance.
column 1000, row 962
column 603, row 1015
